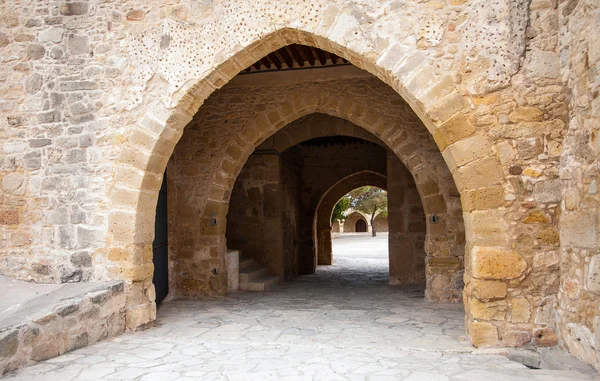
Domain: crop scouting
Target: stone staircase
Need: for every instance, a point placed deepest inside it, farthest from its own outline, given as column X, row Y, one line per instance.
column 255, row 278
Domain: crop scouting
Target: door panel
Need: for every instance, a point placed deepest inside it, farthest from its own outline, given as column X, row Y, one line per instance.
column 160, row 246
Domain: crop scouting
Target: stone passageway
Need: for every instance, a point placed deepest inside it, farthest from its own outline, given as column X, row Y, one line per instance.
column 342, row 323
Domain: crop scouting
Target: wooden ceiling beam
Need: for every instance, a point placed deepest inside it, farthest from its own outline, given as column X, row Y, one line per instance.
column 273, row 57
column 290, row 49
column 308, row 52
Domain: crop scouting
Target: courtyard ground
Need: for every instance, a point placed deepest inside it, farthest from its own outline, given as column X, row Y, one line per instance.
column 342, row 323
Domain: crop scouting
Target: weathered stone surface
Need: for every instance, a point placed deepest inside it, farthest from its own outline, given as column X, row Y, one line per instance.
column 545, row 337
column 520, row 310
column 514, row 82
column 593, row 275
column 488, row 290
column 484, row 334
column 579, row 229
column 493, row 263
column 547, row 191
column 9, row 343
column 74, row 8
column 516, row 339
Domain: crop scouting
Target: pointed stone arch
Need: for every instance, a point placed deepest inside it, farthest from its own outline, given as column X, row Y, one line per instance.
column 434, row 98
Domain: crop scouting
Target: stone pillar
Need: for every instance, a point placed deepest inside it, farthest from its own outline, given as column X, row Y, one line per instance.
column 406, row 254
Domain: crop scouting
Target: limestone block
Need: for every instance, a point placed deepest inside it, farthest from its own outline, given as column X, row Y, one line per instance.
column 486, row 228
column 547, row 191
column 488, row 289
column 526, row 114
column 545, row 313
column 579, row 229
column 520, row 310
column 542, row 64
column 496, row 263
column 545, row 337
column 478, row 174
column 516, row 339
column 593, row 275
column 482, row 198
column 74, row 8
column 233, row 270
column 466, row 150
column 9, row 343
column 454, row 129
column 488, row 311
column 483, row 334
column 536, row 216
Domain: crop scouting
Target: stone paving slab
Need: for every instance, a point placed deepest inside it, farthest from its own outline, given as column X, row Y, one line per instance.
column 342, row 323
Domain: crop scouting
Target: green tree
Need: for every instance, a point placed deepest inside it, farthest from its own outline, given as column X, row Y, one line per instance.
column 371, row 201
column 339, row 209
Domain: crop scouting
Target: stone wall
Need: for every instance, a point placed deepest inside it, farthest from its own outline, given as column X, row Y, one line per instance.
column 60, row 322
column 406, row 240
column 381, row 224
column 579, row 293
column 350, row 222
column 96, row 95
column 291, row 192
column 255, row 223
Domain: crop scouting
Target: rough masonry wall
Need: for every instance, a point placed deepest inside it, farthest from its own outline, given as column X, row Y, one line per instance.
column 291, row 192
column 95, row 95
column 579, row 292
column 255, row 224
column 406, row 240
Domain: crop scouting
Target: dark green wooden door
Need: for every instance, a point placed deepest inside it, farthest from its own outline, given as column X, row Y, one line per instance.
column 160, row 246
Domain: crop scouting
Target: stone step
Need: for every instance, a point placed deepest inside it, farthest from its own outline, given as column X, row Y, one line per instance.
column 263, row 283
column 250, row 273
column 246, row 262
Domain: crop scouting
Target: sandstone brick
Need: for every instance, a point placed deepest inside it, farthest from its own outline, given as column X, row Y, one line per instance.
column 483, row 334
column 487, row 290
column 493, row 263
column 520, row 310
column 486, row 228
column 482, row 198
column 478, row 174
column 516, row 339
column 453, row 130
column 537, row 217
column 495, row 310
column 466, row 150
column 545, row 337
column 579, row 229
column 74, row 8
column 526, row 114
column 548, row 236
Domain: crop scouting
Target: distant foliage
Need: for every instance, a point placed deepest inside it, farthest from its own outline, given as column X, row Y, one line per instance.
column 340, row 209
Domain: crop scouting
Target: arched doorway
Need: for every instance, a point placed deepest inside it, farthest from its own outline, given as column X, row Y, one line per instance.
column 439, row 117
column 360, row 226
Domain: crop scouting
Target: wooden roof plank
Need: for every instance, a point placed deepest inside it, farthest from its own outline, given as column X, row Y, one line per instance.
column 309, row 53
column 297, row 57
